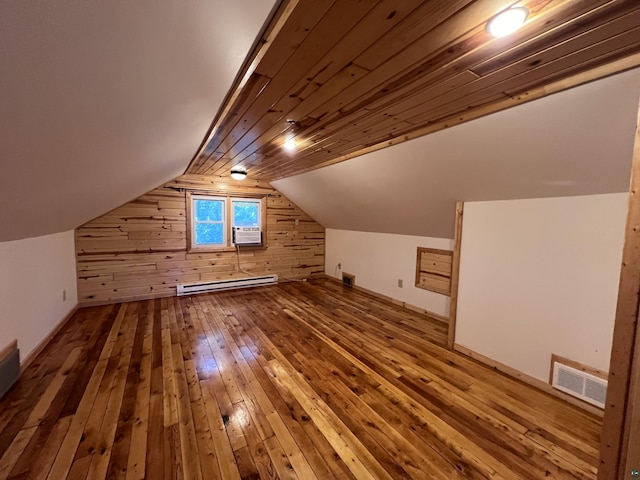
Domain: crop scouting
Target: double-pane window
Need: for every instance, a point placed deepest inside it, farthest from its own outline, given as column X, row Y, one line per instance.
column 213, row 219
column 209, row 221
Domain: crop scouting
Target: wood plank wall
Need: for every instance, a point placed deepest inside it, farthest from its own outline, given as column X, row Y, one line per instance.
column 139, row 250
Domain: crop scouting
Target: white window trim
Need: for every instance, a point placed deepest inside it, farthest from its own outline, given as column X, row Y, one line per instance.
column 194, row 222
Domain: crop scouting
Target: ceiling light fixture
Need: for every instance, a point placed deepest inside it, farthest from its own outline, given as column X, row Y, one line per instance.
column 290, row 144
column 507, row 21
column 238, row 173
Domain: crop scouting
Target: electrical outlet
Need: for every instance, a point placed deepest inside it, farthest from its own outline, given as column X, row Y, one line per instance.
column 339, row 266
column 297, row 222
column 64, row 295
column 400, row 282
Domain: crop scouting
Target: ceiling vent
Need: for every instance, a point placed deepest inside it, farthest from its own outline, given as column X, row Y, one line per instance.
column 580, row 384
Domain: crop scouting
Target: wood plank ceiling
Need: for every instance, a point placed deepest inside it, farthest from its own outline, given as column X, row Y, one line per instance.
column 345, row 77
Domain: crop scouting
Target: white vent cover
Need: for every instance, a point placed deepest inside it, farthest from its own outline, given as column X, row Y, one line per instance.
column 580, row 384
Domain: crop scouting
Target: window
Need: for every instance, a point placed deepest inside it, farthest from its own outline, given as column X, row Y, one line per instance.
column 208, row 221
column 213, row 219
column 246, row 212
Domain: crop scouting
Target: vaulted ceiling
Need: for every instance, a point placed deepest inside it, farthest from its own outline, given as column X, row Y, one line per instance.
column 343, row 78
column 103, row 101
column 576, row 142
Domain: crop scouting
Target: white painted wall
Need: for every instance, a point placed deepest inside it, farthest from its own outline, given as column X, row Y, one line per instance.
column 33, row 274
column 378, row 260
column 540, row 276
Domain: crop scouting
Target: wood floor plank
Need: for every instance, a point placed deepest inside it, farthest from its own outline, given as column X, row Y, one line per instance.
column 41, row 466
column 346, row 448
column 291, row 409
column 226, row 463
column 206, row 448
column 457, row 442
column 294, row 423
column 188, row 441
column 302, row 380
column 63, row 462
column 293, row 453
column 138, row 444
column 155, row 461
column 105, row 445
column 118, row 461
column 12, row 454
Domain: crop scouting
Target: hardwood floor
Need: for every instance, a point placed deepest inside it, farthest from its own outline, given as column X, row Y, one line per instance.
column 300, row 380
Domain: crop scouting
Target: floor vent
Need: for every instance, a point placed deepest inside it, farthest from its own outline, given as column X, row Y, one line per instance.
column 188, row 289
column 348, row 280
column 580, row 384
column 9, row 367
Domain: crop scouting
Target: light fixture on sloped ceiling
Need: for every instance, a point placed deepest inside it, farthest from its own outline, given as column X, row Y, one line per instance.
column 290, row 143
column 238, row 173
column 507, row 21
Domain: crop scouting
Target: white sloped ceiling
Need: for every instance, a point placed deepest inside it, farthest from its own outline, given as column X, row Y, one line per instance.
column 576, row 142
column 103, row 101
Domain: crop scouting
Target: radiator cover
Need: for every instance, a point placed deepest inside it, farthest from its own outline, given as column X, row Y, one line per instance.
column 9, row 371
column 231, row 284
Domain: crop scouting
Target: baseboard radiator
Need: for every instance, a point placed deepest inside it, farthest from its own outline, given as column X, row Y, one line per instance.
column 202, row 287
column 9, row 367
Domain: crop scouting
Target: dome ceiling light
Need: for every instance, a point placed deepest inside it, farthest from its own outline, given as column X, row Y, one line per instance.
column 507, row 21
column 238, row 173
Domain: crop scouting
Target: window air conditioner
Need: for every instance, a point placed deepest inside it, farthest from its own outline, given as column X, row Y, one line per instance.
column 247, row 236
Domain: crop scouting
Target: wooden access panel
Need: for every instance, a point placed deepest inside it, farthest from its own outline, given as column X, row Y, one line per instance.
column 433, row 270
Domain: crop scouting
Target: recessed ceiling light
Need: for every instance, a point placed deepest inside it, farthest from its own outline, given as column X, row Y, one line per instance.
column 507, row 21
column 238, row 173
column 290, row 144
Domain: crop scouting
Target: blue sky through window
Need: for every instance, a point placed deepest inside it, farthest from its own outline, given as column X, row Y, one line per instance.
column 208, row 227
column 209, row 210
column 246, row 214
column 209, row 234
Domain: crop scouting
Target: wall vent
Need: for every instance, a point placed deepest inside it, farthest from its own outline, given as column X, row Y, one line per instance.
column 202, row 287
column 9, row 367
column 348, row 280
column 579, row 384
